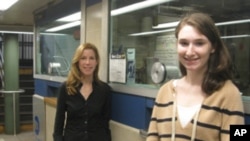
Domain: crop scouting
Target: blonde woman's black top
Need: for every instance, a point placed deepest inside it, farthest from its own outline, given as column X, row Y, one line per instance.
column 85, row 120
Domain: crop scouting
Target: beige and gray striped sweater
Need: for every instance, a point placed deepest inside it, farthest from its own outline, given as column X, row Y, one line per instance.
column 218, row 111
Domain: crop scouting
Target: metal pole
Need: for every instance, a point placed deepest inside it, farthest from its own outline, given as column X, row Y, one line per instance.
column 14, row 113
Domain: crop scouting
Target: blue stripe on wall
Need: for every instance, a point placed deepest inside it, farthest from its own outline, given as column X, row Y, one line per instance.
column 40, row 87
column 46, row 88
column 130, row 110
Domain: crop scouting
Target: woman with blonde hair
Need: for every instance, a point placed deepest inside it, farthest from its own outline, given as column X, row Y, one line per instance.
column 84, row 102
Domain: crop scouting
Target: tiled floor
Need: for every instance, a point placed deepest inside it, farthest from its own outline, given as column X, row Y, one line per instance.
column 23, row 136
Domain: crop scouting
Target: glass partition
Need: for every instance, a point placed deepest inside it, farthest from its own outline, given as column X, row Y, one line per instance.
column 142, row 43
column 56, row 44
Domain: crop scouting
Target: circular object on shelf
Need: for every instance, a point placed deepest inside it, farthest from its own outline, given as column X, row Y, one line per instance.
column 158, row 72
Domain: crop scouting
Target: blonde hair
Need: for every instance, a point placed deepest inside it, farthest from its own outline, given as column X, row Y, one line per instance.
column 75, row 75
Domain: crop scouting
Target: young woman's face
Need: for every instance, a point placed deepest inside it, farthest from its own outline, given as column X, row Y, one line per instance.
column 193, row 49
column 87, row 62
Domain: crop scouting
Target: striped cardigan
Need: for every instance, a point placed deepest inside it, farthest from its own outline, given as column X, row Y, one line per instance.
column 218, row 111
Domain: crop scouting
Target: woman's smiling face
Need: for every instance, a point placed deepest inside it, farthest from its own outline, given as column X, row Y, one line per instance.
column 87, row 62
column 193, row 49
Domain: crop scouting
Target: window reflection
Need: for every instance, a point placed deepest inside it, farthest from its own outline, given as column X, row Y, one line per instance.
column 137, row 30
column 56, row 53
column 56, row 47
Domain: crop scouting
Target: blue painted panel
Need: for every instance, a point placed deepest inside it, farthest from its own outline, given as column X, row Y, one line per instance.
column 46, row 88
column 150, row 103
column 54, row 84
column 40, row 87
column 129, row 110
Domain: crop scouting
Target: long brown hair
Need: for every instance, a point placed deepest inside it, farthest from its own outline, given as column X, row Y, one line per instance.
column 75, row 75
column 219, row 63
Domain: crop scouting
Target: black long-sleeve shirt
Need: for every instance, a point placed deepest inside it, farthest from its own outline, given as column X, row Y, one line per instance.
column 86, row 120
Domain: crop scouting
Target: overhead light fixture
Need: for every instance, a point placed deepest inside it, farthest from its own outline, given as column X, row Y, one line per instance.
column 5, row 4
column 57, row 34
column 166, row 25
column 174, row 24
column 137, row 6
column 22, row 32
column 236, row 36
column 151, row 32
column 15, row 32
column 73, row 17
column 233, row 22
column 65, row 26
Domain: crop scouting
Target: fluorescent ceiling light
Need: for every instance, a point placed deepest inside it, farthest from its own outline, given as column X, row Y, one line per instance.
column 174, row 24
column 5, row 4
column 19, row 32
column 166, row 25
column 233, row 22
column 151, row 32
column 15, row 32
column 172, row 29
column 65, row 26
column 73, row 17
column 236, row 36
column 46, row 33
column 137, row 6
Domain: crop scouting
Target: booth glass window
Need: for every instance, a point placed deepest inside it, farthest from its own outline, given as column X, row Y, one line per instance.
column 56, row 42
column 143, row 45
